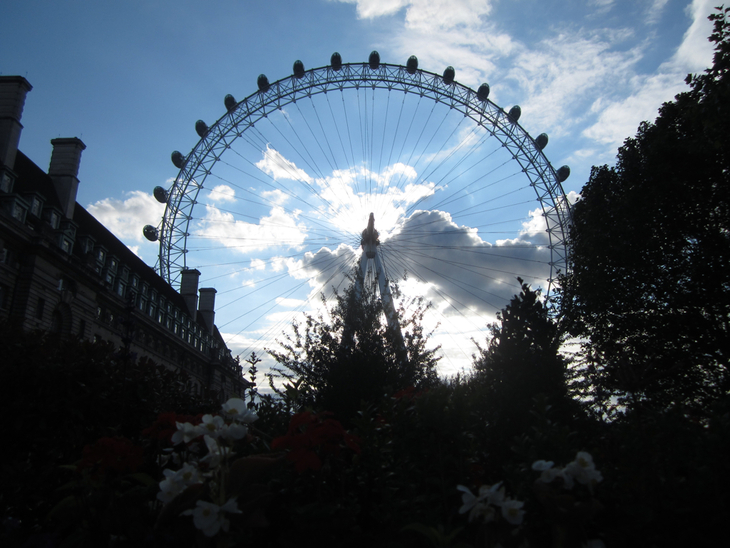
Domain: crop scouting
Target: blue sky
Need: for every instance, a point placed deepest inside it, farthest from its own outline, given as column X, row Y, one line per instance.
column 130, row 79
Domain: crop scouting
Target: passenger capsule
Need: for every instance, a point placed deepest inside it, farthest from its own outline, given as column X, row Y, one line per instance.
column 201, row 128
column 541, row 141
column 160, row 194
column 298, row 69
column 514, row 113
column 263, row 83
column 150, row 232
column 563, row 173
column 483, row 93
column 336, row 61
column 374, row 60
column 178, row 159
column 412, row 64
column 230, row 102
column 449, row 74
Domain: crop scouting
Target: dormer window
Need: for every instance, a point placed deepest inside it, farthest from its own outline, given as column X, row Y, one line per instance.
column 6, row 182
column 54, row 220
column 18, row 211
column 36, row 206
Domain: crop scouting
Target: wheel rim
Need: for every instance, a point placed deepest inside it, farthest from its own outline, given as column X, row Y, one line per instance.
column 244, row 121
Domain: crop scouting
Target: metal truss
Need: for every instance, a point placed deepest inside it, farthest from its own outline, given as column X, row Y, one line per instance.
column 195, row 168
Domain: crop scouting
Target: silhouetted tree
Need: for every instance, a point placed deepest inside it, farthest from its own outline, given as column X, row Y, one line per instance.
column 522, row 362
column 650, row 241
column 354, row 356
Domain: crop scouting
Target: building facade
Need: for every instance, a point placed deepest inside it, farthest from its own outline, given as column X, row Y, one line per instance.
column 61, row 270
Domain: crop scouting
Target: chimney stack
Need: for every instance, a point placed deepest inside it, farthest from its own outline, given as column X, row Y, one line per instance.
column 207, row 306
column 189, row 289
column 13, row 90
column 64, row 171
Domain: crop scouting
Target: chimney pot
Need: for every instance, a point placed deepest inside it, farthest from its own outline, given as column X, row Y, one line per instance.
column 207, row 306
column 189, row 289
column 13, row 90
column 64, row 170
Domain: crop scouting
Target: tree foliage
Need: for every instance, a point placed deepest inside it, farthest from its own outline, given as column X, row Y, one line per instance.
column 522, row 363
column 60, row 394
column 650, row 241
column 354, row 356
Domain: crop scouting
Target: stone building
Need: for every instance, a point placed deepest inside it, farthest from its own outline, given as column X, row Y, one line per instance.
column 61, row 270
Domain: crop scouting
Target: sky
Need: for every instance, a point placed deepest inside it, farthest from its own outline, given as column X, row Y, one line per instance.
column 277, row 222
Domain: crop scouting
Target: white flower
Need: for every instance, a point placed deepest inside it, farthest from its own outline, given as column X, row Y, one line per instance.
column 170, row 487
column 480, row 507
column 468, row 499
column 215, row 452
column 476, row 506
column 212, row 425
column 512, row 511
column 186, row 432
column 210, row 518
column 542, row 465
column 483, row 512
column 492, row 495
column 176, row 482
column 236, row 409
column 247, row 417
column 189, row 474
column 583, row 469
column 234, row 431
column 548, row 473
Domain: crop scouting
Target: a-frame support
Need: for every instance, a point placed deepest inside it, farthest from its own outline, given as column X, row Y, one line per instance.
column 370, row 259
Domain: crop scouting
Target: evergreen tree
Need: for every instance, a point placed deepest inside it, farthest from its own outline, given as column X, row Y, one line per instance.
column 522, row 363
column 354, row 356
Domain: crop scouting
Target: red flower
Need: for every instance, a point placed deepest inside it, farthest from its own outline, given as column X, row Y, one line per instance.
column 165, row 426
column 117, row 454
column 311, row 437
column 409, row 393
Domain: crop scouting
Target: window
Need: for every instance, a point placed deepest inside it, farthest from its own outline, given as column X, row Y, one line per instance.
column 6, row 183
column 18, row 212
column 35, row 206
column 54, row 220
column 39, row 309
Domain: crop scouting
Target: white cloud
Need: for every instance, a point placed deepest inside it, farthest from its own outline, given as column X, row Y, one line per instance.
column 619, row 118
column 274, row 164
column 222, row 193
column 655, row 11
column 426, row 14
column 278, row 229
column 125, row 218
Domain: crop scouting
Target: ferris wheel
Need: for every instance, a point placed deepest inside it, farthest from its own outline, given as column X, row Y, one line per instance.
column 271, row 203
